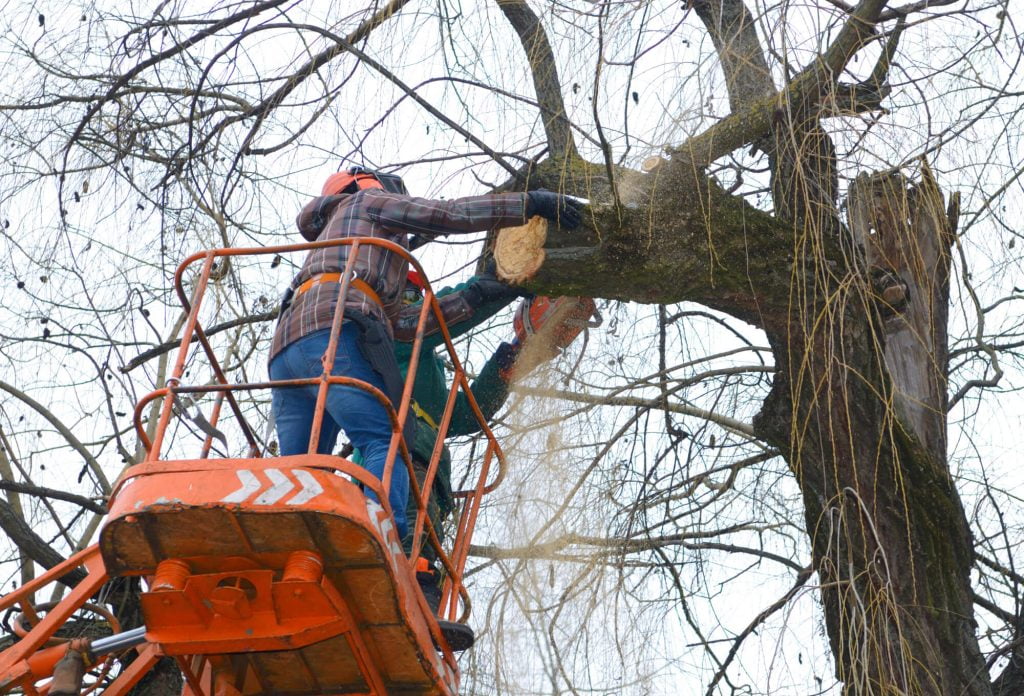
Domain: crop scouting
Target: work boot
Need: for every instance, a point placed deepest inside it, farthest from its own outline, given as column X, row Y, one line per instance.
column 458, row 636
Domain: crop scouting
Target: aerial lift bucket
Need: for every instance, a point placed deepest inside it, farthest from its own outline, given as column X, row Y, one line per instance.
column 264, row 575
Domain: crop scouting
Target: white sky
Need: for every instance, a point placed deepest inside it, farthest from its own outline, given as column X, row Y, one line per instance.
column 679, row 92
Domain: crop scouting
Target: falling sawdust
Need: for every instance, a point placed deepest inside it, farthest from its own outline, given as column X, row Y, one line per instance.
column 536, row 587
column 536, row 454
column 538, row 450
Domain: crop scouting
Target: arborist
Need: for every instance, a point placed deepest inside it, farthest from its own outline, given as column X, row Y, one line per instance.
column 465, row 307
column 365, row 203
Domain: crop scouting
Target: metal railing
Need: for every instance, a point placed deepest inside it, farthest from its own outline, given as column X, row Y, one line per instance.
column 452, row 560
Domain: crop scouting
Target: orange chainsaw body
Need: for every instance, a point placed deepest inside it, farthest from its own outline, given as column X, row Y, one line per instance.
column 556, row 320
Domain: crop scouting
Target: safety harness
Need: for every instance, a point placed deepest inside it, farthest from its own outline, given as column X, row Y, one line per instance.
column 325, row 278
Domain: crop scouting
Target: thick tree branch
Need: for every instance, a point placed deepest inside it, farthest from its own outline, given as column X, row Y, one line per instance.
column 734, row 34
column 546, row 83
column 679, row 237
column 33, row 546
column 756, row 121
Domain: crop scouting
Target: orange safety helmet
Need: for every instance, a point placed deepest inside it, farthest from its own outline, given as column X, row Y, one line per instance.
column 416, row 279
column 362, row 178
column 340, row 183
column 414, row 287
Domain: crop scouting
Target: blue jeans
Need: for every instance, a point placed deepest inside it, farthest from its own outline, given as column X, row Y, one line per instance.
column 353, row 410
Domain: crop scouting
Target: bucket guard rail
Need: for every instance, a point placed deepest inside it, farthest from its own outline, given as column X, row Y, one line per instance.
column 224, row 390
column 30, row 661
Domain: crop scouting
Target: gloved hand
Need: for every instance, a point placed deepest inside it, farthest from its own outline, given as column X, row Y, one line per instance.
column 487, row 288
column 562, row 210
column 505, row 357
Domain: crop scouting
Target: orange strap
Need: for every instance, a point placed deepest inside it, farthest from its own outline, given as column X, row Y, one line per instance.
column 324, row 278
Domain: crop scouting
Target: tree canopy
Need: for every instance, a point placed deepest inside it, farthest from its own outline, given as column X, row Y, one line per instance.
column 785, row 464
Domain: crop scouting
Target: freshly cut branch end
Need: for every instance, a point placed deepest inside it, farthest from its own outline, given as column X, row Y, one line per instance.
column 519, row 251
column 652, row 163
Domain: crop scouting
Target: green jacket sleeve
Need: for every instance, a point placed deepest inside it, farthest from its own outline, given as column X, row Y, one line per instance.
column 459, row 315
column 490, row 391
column 431, row 384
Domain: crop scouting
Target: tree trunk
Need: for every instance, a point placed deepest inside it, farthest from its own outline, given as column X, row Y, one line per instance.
column 859, row 400
column 860, row 407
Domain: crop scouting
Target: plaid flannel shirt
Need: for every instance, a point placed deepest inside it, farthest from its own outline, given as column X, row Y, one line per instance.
column 376, row 213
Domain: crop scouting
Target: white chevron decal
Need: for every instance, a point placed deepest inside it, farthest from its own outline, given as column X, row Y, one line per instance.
column 250, row 484
column 282, row 485
column 386, row 528
column 311, row 488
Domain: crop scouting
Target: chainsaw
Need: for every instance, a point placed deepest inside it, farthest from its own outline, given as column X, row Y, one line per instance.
column 554, row 322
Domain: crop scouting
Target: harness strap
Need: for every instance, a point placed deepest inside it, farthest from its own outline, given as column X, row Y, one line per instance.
column 324, row 278
column 418, row 410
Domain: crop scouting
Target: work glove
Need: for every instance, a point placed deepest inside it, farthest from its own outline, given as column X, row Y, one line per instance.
column 505, row 358
column 487, row 288
column 564, row 211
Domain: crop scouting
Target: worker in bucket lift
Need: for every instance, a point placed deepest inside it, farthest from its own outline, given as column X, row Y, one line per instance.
column 465, row 307
column 364, row 203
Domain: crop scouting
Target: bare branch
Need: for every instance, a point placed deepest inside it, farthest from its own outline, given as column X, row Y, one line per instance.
column 32, row 545
column 168, row 346
column 656, row 403
column 53, row 493
column 801, row 580
column 546, row 82
column 76, row 444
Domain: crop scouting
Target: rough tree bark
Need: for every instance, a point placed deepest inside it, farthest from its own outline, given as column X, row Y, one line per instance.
column 858, row 404
column 858, row 407
column 856, row 317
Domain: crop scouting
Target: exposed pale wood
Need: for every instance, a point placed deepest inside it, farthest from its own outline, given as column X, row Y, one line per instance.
column 904, row 231
column 519, row 251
